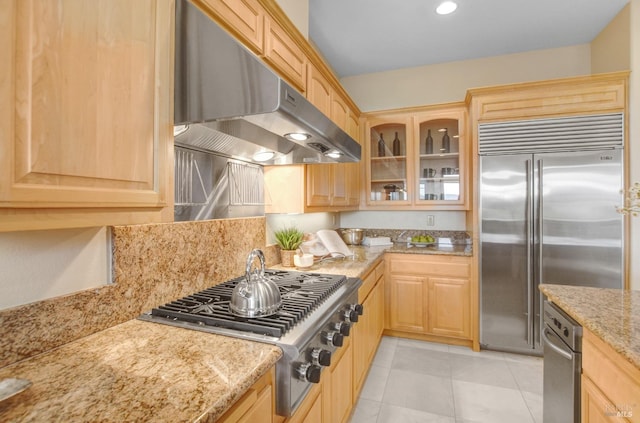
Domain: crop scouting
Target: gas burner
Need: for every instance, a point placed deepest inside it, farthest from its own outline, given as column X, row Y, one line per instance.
column 210, row 307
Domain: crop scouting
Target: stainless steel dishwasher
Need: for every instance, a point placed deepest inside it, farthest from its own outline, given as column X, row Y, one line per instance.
column 562, row 338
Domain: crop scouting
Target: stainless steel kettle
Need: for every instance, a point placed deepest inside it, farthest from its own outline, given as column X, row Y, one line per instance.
column 256, row 295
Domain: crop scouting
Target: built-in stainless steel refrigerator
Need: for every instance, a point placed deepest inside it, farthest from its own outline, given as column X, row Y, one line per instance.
column 548, row 195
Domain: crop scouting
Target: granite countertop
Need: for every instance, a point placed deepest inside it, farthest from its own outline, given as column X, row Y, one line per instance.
column 611, row 314
column 363, row 257
column 143, row 371
column 137, row 371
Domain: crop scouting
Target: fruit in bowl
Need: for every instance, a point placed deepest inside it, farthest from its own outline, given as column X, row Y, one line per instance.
column 423, row 239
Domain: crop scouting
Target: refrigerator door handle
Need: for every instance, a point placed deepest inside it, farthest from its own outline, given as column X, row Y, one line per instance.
column 528, row 224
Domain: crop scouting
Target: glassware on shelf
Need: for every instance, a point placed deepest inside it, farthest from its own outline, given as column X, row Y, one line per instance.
column 396, row 145
column 381, row 147
column 429, row 143
column 446, row 142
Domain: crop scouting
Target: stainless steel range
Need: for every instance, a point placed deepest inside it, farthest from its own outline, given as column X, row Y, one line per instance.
column 316, row 313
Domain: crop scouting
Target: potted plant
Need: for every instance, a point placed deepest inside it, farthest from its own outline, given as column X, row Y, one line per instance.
column 289, row 239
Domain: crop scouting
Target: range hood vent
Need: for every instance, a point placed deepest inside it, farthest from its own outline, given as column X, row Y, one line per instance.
column 228, row 102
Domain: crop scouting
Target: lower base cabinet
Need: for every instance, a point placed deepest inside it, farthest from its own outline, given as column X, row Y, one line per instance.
column 367, row 333
column 337, row 398
column 610, row 385
column 257, row 405
column 429, row 296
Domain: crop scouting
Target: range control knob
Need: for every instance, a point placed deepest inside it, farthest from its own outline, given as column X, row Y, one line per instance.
column 321, row 357
column 343, row 327
column 350, row 316
column 358, row 308
column 566, row 332
column 308, row 372
column 333, row 339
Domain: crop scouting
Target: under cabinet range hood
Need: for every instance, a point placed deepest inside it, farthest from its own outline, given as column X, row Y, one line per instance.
column 228, row 102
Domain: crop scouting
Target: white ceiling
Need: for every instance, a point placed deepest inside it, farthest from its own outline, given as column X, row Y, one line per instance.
column 364, row 36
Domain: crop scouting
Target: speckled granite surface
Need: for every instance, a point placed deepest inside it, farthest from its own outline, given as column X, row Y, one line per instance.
column 137, row 372
column 353, row 267
column 611, row 314
column 153, row 264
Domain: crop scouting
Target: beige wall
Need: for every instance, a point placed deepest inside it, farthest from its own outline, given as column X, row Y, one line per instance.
column 610, row 50
column 298, row 12
column 449, row 82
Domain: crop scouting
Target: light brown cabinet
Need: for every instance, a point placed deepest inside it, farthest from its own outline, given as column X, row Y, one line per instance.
column 338, row 378
column 257, row 405
column 367, row 332
column 610, row 385
column 243, row 18
column 405, row 170
column 285, row 55
column 86, row 132
column 429, row 296
column 310, row 410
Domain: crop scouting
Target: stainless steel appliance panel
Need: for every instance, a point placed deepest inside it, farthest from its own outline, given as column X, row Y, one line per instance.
column 562, row 365
column 581, row 232
column 506, row 213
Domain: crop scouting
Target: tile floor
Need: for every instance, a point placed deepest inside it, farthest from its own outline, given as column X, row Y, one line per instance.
column 414, row 381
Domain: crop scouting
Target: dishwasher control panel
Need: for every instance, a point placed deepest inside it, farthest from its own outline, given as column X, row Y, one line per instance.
column 563, row 325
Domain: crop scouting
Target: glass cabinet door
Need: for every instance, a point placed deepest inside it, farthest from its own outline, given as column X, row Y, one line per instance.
column 439, row 161
column 387, row 173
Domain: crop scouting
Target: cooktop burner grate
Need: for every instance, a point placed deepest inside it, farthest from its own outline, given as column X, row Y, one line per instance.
column 301, row 293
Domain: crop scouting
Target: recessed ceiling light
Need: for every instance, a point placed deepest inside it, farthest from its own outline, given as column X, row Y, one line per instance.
column 179, row 129
column 263, row 156
column 297, row 136
column 446, row 7
column 334, row 154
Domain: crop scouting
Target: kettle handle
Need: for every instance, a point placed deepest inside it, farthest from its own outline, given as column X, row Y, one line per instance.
column 252, row 255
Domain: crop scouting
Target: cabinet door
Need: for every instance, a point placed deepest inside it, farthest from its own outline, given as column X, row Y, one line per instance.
column 387, row 173
column 595, row 406
column 319, row 90
column 262, row 410
column 339, row 112
column 285, row 55
column 257, row 405
column 244, row 17
column 338, row 407
column 87, row 90
column 340, row 181
column 319, row 185
column 440, row 157
column 448, row 311
column 407, row 303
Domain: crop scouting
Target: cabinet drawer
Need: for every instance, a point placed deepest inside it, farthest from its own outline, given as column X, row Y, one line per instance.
column 459, row 267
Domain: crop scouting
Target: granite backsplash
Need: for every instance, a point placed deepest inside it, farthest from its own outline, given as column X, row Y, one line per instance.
column 152, row 264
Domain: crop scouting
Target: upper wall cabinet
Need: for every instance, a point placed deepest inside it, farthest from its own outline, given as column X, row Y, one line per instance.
column 417, row 159
column 252, row 24
column 244, row 18
column 86, row 132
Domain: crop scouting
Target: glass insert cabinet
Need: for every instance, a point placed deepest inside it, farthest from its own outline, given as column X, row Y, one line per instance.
column 416, row 159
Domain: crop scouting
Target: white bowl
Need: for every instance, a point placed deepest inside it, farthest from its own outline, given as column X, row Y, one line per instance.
column 305, row 260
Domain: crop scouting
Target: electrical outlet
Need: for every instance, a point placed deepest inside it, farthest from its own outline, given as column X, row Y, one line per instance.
column 431, row 220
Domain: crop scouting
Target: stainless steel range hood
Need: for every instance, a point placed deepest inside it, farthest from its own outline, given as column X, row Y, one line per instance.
column 230, row 103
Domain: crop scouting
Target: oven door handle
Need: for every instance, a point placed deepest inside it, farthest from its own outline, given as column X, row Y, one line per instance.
column 554, row 347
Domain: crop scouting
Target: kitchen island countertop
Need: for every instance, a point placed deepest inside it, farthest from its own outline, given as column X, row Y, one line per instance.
column 137, row 371
column 611, row 314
